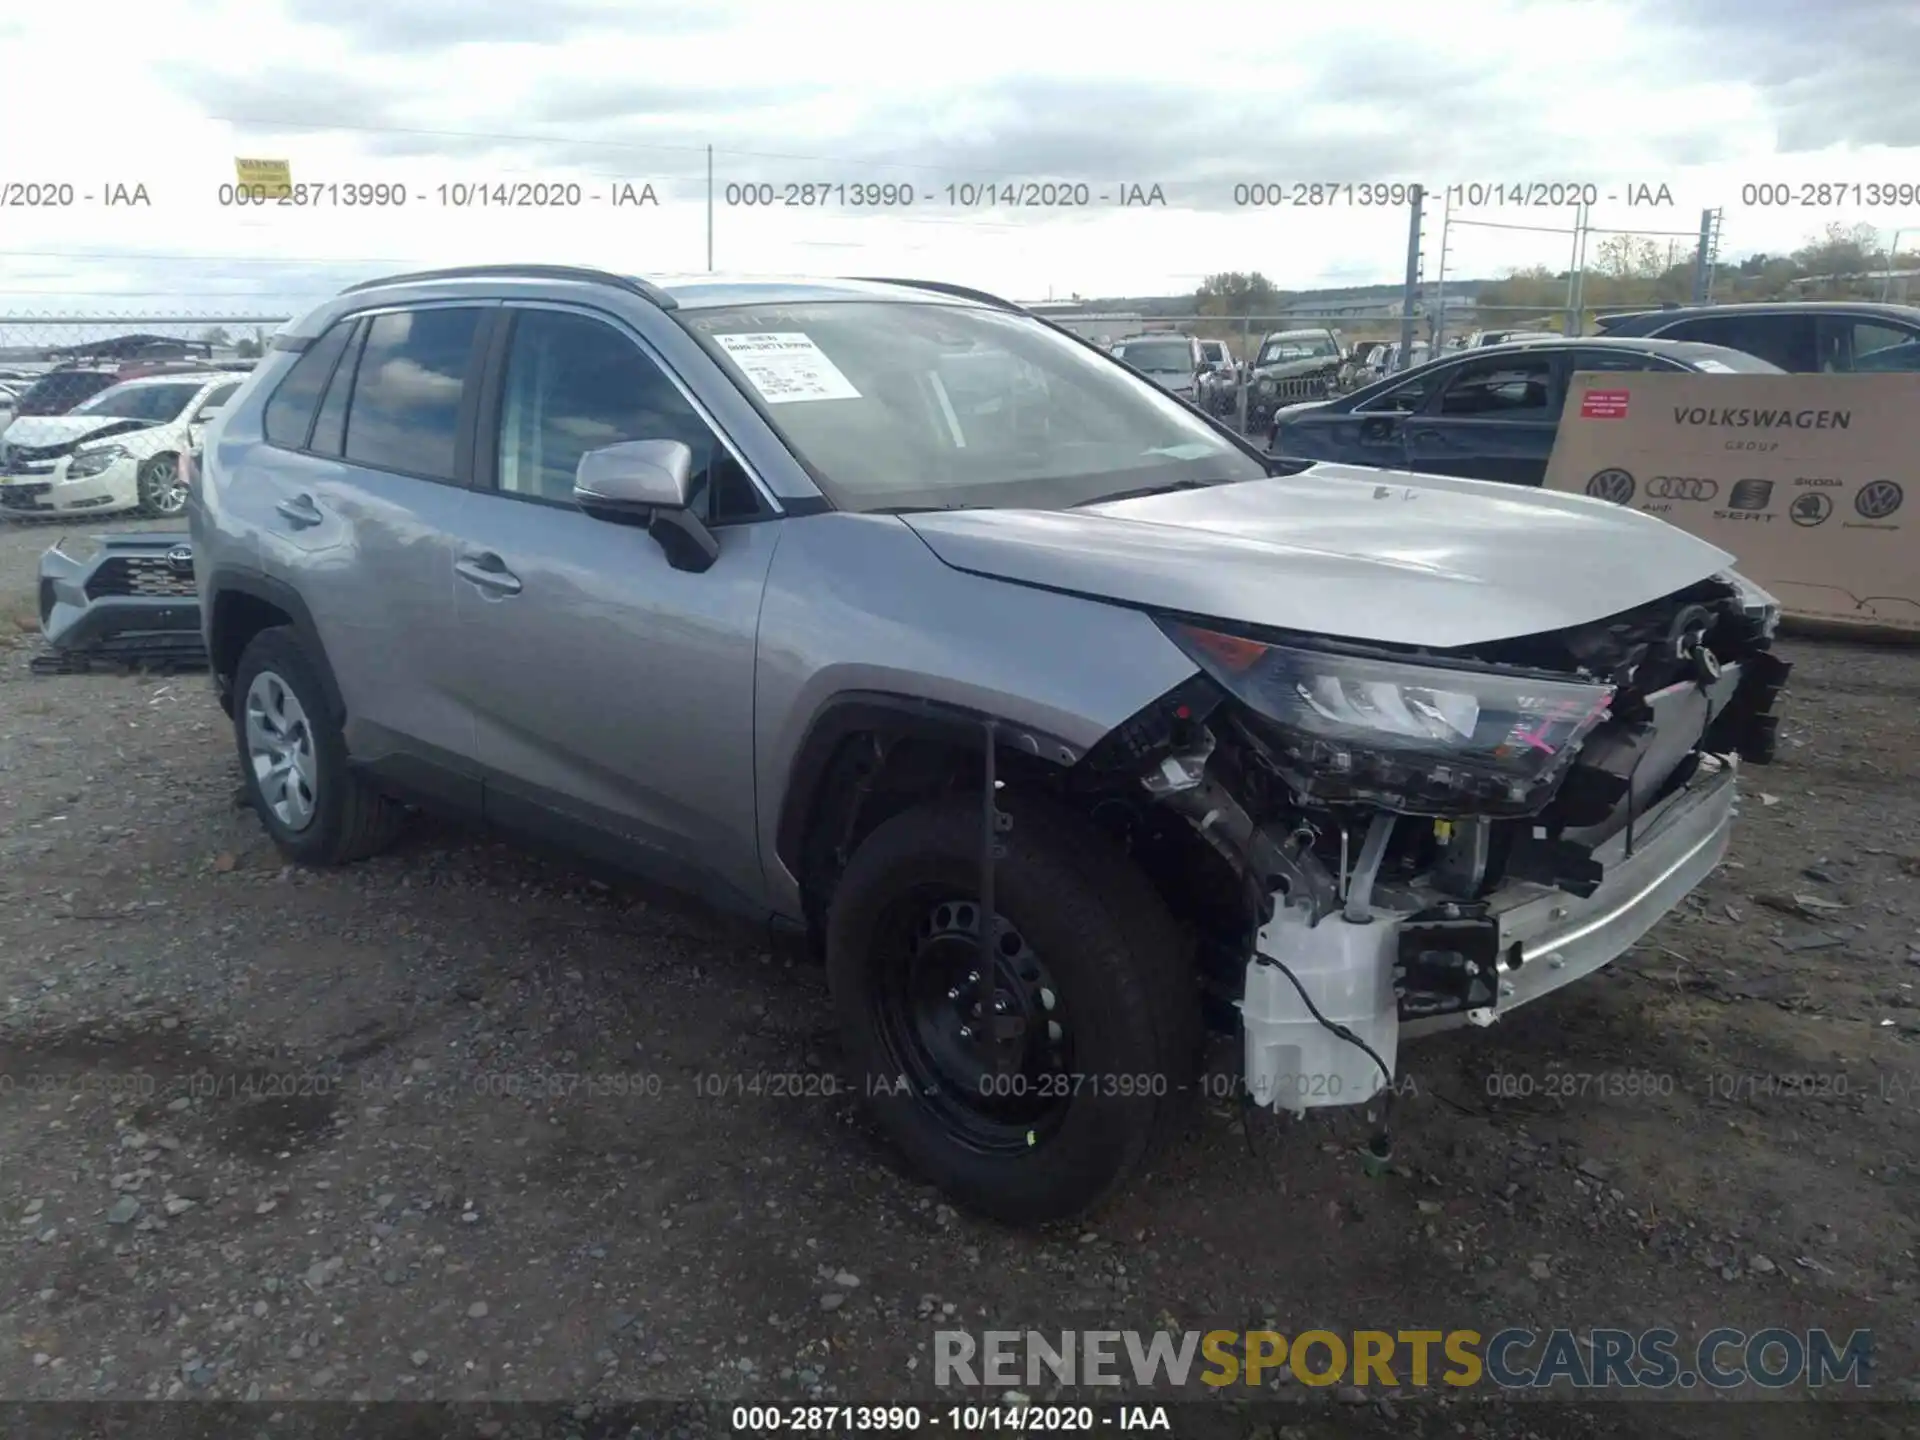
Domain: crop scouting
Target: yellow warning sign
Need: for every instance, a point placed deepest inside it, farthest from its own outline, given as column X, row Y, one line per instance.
column 273, row 177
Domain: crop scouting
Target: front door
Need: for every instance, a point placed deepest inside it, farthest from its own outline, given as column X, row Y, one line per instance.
column 612, row 694
column 1494, row 419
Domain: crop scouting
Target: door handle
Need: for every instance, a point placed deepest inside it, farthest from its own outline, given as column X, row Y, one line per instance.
column 300, row 510
column 489, row 572
column 1427, row 437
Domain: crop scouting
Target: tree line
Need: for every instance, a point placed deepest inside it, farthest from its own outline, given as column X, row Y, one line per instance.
column 1843, row 262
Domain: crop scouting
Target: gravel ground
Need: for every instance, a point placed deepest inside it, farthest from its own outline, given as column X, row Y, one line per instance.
column 467, row 1122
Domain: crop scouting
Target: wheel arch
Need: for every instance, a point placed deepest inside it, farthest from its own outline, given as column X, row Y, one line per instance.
column 867, row 753
column 242, row 603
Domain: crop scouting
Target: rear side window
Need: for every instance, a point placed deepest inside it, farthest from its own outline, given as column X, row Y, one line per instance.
column 404, row 414
column 1514, row 387
column 289, row 414
column 1786, row 340
column 330, row 430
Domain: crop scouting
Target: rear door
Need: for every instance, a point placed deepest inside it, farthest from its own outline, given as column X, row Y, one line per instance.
column 359, row 512
column 1494, row 419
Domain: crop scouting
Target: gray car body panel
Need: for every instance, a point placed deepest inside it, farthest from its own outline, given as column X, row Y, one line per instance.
column 1344, row 551
column 857, row 604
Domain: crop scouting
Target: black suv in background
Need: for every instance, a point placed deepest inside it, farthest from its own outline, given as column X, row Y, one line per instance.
column 1807, row 337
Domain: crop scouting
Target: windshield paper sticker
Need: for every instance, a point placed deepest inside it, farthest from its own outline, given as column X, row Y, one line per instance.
column 787, row 366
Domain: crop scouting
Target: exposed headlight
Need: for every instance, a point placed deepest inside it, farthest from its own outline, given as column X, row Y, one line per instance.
column 93, row 461
column 1760, row 605
column 1418, row 739
column 1266, row 387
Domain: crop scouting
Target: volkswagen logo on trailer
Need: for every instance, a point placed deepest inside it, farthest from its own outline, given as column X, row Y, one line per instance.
column 1614, row 485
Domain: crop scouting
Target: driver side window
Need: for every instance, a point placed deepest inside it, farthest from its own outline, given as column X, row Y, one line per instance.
column 574, row 384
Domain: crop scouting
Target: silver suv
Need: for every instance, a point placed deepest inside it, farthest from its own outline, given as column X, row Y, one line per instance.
column 870, row 609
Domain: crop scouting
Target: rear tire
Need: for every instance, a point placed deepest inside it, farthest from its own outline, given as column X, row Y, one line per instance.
column 293, row 757
column 1117, row 968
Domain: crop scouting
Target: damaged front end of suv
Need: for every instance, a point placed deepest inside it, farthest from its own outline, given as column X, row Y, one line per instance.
column 1401, row 840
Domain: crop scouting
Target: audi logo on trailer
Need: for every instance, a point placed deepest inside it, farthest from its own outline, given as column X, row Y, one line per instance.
column 1681, row 487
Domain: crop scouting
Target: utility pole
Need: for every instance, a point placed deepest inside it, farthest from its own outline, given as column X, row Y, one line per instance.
column 1705, row 257
column 709, row 209
column 1439, row 325
column 1410, row 300
column 1570, row 322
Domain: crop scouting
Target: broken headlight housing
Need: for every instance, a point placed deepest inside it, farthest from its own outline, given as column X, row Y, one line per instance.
column 1420, row 739
column 1759, row 606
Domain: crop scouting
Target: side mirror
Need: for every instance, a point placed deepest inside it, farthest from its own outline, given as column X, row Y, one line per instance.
column 648, row 483
column 207, row 417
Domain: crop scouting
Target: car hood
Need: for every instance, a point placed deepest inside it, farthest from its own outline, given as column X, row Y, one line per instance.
column 1284, row 369
column 1346, row 552
column 1170, row 379
column 43, row 431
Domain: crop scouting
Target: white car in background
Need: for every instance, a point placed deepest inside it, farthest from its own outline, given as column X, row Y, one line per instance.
column 121, row 450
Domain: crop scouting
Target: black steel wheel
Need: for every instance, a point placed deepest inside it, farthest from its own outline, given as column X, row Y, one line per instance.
column 1041, row 1101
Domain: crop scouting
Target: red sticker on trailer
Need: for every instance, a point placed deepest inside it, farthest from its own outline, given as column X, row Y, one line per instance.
column 1604, row 405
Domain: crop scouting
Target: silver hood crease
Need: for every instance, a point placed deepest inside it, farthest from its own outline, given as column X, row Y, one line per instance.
column 1345, row 552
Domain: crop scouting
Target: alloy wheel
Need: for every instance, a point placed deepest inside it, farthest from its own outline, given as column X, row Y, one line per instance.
column 166, row 486
column 280, row 751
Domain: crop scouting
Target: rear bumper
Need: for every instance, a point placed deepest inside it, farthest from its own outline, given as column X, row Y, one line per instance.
column 1547, row 939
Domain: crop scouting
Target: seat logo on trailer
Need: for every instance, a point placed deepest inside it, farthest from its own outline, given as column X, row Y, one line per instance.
column 1682, row 487
column 1614, row 485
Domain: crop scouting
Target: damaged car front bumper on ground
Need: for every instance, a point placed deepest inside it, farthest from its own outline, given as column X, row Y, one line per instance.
column 132, row 599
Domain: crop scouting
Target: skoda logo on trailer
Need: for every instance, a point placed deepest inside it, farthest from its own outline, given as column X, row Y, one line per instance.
column 1681, row 487
column 1614, row 485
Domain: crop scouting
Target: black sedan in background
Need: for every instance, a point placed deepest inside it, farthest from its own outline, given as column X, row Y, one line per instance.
column 1483, row 414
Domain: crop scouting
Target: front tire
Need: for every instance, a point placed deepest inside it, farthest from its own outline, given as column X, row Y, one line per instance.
column 162, row 488
column 1089, row 962
column 293, row 756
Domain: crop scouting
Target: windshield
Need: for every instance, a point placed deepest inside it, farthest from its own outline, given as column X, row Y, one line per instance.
column 1279, row 351
column 59, row 391
column 141, row 402
column 1157, row 357
column 896, row 404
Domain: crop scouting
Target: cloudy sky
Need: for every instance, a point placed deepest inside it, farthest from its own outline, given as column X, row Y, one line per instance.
column 1702, row 97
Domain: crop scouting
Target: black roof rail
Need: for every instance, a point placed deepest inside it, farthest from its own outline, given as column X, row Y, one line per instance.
column 941, row 287
column 630, row 283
